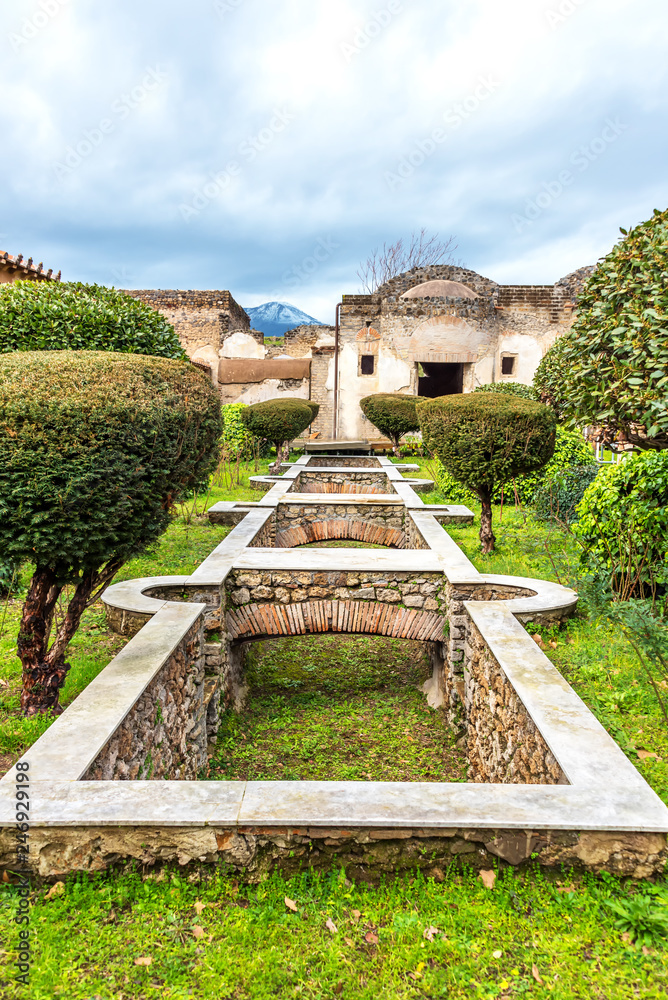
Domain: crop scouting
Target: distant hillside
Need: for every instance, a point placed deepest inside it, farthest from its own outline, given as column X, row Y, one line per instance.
column 273, row 319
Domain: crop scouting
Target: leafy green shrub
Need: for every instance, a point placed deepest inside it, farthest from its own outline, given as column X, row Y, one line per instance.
column 54, row 316
column 622, row 524
column 392, row 413
column 279, row 421
column 485, row 440
column 644, row 918
column 95, row 449
column 236, row 439
column 9, row 578
column 570, row 449
column 510, row 388
column 557, row 497
column 611, row 368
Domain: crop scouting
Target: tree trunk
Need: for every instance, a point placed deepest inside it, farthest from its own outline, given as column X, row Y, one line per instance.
column 282, row 455
column 487, row 538
column 395, row 446
column 44, row 669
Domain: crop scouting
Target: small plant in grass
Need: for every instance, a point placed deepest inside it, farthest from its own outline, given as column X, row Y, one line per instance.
column 643, row 917
column 393, row 414
column 95, row 450
column 279, row 421
column 485, row 440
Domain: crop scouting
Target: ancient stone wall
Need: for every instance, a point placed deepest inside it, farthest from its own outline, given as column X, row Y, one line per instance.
column 164, row 734
column 340, row 482
column 504, row 744
column 199, row 317
column 387, row 516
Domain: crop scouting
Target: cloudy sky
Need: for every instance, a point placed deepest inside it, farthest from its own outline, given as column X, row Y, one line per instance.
column 266, row 146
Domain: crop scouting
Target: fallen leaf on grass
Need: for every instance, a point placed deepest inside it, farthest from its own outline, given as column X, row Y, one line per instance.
column 536, row 974
column 331, row 926
column 488, row 878
column 645, row 950
column 356, row 915
column 418, row 972
column 371, row 938
column 5, row 877
column 626, row 937
column 338, row 989
column 146, row 960
column 199, row 906
column 3, row 683
column 644, row 754
column 538, row 639
column 553, row 644
column 430, row 933
column 497, row 954
column 291, row 905
column 56, row 890
column 198, row 931
column 349, row 942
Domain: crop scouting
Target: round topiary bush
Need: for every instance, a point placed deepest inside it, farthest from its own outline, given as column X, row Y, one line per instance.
column 279, row 421
column 570, row 450
column 611, row 369
column 392, row 413
column 622, row 524
column 485, row 440
column 96, row 447
column 55, row 316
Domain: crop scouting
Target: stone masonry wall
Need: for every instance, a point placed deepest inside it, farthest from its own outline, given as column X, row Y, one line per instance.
column 388, row 516
column 164, row 734
column 504, row 744
column 199, row 317
column 337, row 461
column 341, row 482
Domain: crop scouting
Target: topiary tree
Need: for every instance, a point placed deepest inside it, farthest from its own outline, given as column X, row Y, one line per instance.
column 622, row 525
column 570, row 451
column 393, row 414
column 56, row 316
column 509, row 388
column 611, row 368
column 486, row 439
column 279, row 421
column 95, row 449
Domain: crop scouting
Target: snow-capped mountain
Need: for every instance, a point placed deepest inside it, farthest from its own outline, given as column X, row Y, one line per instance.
column 274, row 318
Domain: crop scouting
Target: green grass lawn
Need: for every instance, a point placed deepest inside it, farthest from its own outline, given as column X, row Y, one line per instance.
column 175, row 934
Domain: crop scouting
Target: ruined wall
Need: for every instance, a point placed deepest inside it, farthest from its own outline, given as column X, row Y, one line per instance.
column 387, row 516
column 199, row 317
column 164, row 734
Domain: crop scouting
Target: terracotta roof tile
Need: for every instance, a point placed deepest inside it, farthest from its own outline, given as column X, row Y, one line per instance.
column 27, row 267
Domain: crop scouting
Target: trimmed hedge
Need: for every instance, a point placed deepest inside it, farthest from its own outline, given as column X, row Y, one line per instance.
column 55, row 316
column 96, row 447
column 558, row 496
column 392, row 413
column 279, row 420
column 623, row 524
column 486, row 439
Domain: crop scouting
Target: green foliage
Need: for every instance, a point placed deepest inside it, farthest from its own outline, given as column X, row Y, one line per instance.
column 392, row 413
column 279, row 420
column 486, row 439
column 559, row 494
column 644, row 917
column 236, row 438
column 570, row 450
column 95, row 449
column 611, row 368
column 54, row 316
column 510, row 389
column 623, row 524
column 9, row 574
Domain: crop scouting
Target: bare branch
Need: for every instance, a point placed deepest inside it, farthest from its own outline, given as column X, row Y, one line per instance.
column 420, row 250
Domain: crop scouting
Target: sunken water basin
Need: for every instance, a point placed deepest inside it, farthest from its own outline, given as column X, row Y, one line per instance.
column 115, row 777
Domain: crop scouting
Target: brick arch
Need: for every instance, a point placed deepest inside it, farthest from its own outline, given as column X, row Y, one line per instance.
column 340, row 487
column 357, row 531
column 259, row 621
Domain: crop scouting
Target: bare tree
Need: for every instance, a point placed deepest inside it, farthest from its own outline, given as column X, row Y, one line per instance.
column 421, row 250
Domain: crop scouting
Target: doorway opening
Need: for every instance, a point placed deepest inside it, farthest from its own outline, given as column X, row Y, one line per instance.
column 440, row 379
